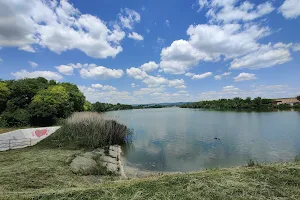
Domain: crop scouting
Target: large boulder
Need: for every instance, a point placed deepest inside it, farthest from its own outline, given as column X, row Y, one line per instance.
column 83, row 165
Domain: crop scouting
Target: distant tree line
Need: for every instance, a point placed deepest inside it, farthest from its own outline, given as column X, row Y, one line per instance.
column 39, row 102
column 237, row 103
column 105, row 107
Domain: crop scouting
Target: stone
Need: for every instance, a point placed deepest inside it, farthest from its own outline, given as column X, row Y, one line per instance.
column 113, row 154
column 90, row 155
column 109, row 159
column 112, row 167
column 99, row 151
column 83, row 165
column 115, row 148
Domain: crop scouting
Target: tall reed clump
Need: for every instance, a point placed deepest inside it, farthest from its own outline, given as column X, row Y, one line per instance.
column 88, row 130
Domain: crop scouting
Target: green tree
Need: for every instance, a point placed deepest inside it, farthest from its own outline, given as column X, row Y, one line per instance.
column 50, row 104
column 88, row 106
column 77, row 99
column 298, row 97
column 22, row 91
column 4, row 95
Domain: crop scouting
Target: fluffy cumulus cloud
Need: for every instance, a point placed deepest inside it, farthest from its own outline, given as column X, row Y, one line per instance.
column 109, row 96
column 265, row 56
column 133, row 85
column 65, row 69
column 228, row 11
column 209, row 42
column 177, row 83
column 135, row 36
column 103, row 87
column 180, row 57
column 199, row 76
column 33, row 64
column 153, row 81
column 136, row 73
column 290, row 9
column 149, row 67
column 244, row 77
column 57, row 26
column 46, row 74
column 128, row 18
column 221, row 76
column 100, row 72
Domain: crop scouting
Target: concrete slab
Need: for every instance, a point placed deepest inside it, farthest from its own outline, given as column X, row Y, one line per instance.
column 25, row 137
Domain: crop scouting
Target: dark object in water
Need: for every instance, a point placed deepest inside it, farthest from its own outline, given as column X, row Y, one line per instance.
column 217, row 138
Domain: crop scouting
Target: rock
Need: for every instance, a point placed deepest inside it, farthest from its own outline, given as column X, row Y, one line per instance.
column 112, row 167
column 90, row 155
column 113, row 154
column 114, row 148
column 109, row 159
column 99, row 151
column 83, row 165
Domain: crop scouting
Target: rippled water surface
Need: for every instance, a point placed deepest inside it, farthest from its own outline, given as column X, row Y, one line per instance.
column 176, row 139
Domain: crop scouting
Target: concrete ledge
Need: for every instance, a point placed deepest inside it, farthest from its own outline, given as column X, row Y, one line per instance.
column 25, row 137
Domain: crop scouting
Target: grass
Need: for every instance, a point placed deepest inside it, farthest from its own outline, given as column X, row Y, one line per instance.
column 5, row 130
column 42, row 173
column 88, row 130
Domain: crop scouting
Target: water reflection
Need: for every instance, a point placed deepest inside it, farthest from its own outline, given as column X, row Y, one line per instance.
column 174, row 139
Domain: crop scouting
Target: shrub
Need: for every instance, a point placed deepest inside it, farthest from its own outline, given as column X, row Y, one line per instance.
column 17, row 118
column 88, row 130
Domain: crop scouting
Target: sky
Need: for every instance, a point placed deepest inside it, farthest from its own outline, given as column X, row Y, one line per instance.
column 150, row 51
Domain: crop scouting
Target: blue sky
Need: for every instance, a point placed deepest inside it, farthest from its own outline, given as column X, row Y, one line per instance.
column 155, row 51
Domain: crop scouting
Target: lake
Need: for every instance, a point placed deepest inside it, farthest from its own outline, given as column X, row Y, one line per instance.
column 178, row 139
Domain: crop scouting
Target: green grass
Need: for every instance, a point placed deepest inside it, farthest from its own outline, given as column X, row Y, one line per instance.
column 42, row 173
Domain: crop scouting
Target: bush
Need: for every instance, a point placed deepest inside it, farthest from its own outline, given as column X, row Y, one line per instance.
column 88, row 130
column 17, row 118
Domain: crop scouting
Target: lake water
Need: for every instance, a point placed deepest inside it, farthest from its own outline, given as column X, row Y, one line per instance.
column 178, row 139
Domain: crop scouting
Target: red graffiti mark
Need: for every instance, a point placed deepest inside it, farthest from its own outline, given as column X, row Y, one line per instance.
column 40, row 133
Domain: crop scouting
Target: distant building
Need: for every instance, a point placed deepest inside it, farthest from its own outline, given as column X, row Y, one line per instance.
column 290, row 101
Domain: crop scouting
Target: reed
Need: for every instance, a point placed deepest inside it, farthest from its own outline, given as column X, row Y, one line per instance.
column 88, row 130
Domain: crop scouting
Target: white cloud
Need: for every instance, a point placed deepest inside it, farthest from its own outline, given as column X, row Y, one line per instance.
column 177, row 83
column 103, row 87
column 111, row 96
column 244, row 77
column 65, row 69
column 230, row 89
column 202, row 76
column 290, row 9
column 58, row 27
column 211, row 43
column 100, row 72
column 133, row 85
column 27, row 48
column 179, row 57
column 155, row 81
column 1, row 60
column 168, row 23
column 228, row 11
column 135, row 36
column 46, row 74
column 266, row 56
column 189, row 74
column 33, row 64
column 136, row 73
column 129, row 17
column 149, row 67
column 144, row 91
column 221, row 76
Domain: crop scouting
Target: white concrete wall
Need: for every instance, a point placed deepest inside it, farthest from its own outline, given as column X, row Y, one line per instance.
column 24, row 137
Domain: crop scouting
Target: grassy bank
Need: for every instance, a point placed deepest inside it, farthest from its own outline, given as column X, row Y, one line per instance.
column 42, row 173
column 5, row 130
